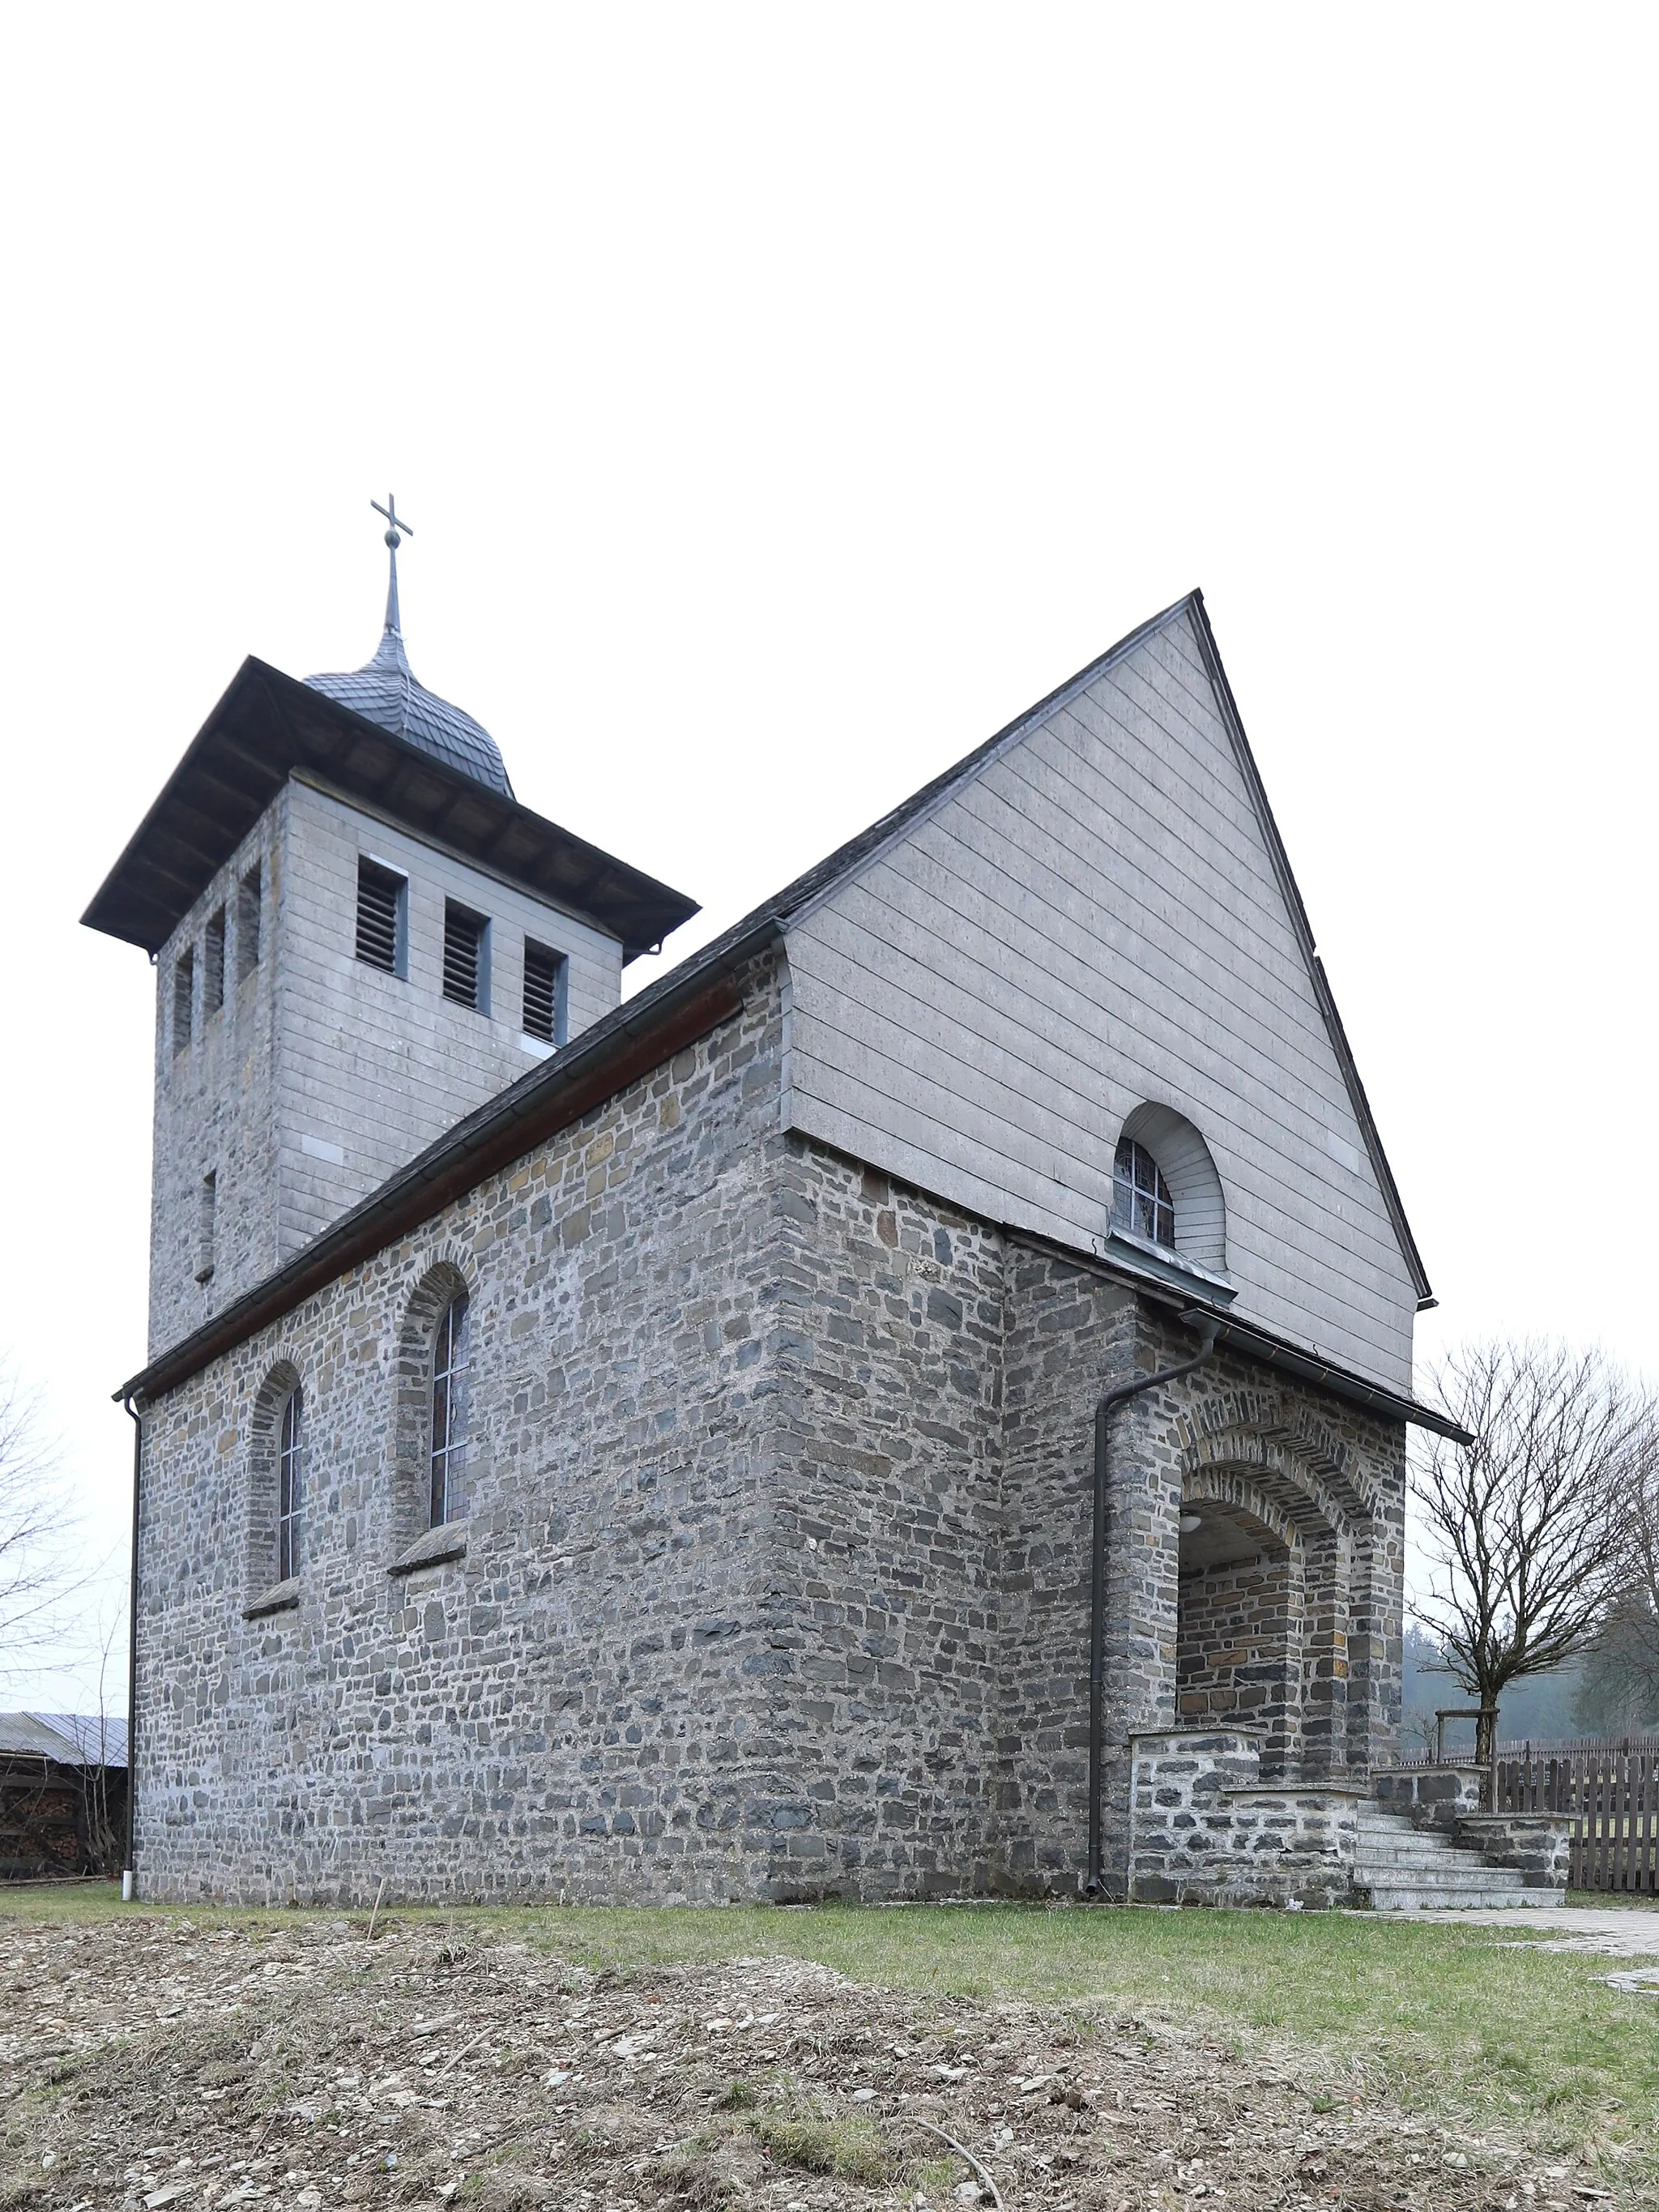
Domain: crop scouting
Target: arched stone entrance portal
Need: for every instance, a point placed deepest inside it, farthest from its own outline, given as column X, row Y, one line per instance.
column 1264, row 1605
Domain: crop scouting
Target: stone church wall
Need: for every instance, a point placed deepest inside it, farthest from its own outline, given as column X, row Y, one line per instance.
column 582, row 1704
column 1232, row 1657
column 886, row 1456
column 777, row 1505
column 301, row 1097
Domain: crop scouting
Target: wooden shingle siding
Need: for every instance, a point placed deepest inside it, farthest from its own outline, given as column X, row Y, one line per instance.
column 1093, row 920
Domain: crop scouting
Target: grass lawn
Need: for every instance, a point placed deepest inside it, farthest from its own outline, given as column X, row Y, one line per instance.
column 1458, row 2022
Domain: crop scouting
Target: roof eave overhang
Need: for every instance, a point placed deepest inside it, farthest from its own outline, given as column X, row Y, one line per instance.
column 1187, row 1294
column 267, row 726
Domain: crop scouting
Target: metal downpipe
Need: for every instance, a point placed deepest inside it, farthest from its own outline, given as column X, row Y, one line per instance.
column 129, row 1875
column 1205, row 1325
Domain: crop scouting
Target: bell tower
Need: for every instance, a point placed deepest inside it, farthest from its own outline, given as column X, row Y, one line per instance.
column 359, row 936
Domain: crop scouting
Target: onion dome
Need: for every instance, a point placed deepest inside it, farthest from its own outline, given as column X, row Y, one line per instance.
column 385, row 691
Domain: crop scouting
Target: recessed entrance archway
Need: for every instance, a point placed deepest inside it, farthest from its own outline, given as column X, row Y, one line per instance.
column 1237, row 1611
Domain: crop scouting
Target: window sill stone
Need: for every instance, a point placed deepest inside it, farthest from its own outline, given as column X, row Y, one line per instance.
column 280, row 1597
column 1172, row 1267
column 432, row 1548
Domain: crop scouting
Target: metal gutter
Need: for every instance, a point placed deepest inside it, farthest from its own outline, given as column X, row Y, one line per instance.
column 1249, row 1337
column 1340, row 1381
column 129, row 1871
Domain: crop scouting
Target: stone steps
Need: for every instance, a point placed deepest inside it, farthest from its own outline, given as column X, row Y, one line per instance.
column 1404, row 1868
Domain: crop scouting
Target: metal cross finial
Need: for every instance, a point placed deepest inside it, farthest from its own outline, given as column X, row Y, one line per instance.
column 397, row 525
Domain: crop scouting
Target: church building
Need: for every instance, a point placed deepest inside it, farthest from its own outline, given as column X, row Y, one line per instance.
column 912, row 1403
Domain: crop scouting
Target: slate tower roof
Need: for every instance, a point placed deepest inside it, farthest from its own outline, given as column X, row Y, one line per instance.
column 376, row 737
column 386, row 690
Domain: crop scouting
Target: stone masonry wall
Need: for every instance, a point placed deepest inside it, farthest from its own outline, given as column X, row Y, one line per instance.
column 321, row 1075
column 1069, row 1334
column 1537, row 1846
column 886, row 1458
column 579, row 1706
column 777, row 1511
column 1233, row 1637
column 1205, row 1829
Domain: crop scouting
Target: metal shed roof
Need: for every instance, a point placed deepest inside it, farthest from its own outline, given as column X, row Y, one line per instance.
column 68, row 1739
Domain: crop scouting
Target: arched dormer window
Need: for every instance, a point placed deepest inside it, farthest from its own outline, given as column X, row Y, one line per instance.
column 1165, row 1188
column 448, row 1412
column 289, row 1484
column 1140, row 1197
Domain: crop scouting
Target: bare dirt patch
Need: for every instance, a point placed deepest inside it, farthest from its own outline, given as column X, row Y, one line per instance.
column 160, row 2061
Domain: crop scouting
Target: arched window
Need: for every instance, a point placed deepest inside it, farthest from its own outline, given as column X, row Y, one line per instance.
column 448, row 1411
column 1140, row 1197
column 289, row 1487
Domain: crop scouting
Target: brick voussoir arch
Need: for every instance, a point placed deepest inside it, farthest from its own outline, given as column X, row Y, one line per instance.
column 1235, row 1486
column 1283, row 1465
column 1246, row 1424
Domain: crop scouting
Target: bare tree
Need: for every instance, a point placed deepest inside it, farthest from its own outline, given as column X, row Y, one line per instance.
column 1525, row 1526
column 36, row 1571
column 104, row 1807
column 1621, row 1677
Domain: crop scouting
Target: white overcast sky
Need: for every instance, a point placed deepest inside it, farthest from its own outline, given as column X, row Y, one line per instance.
column 785, row 397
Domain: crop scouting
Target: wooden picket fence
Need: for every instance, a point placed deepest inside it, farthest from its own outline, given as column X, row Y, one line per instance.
column 1611, row 1793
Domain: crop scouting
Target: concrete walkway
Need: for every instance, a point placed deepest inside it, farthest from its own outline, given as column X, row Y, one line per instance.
column 1608, row 1931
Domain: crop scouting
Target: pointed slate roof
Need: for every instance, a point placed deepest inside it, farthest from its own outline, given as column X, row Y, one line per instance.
column 386, row 690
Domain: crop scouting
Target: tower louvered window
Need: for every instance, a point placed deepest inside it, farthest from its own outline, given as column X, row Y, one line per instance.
column 545, row 973
column 465, row 974
column 213, row 964
column 247, row 924
column 183, row 993
column 288, row 1473
column 380, row 916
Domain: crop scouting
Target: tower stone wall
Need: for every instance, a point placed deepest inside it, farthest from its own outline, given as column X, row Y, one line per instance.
column 320, row 1076
column 580, row 1700
column 216, row 1098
